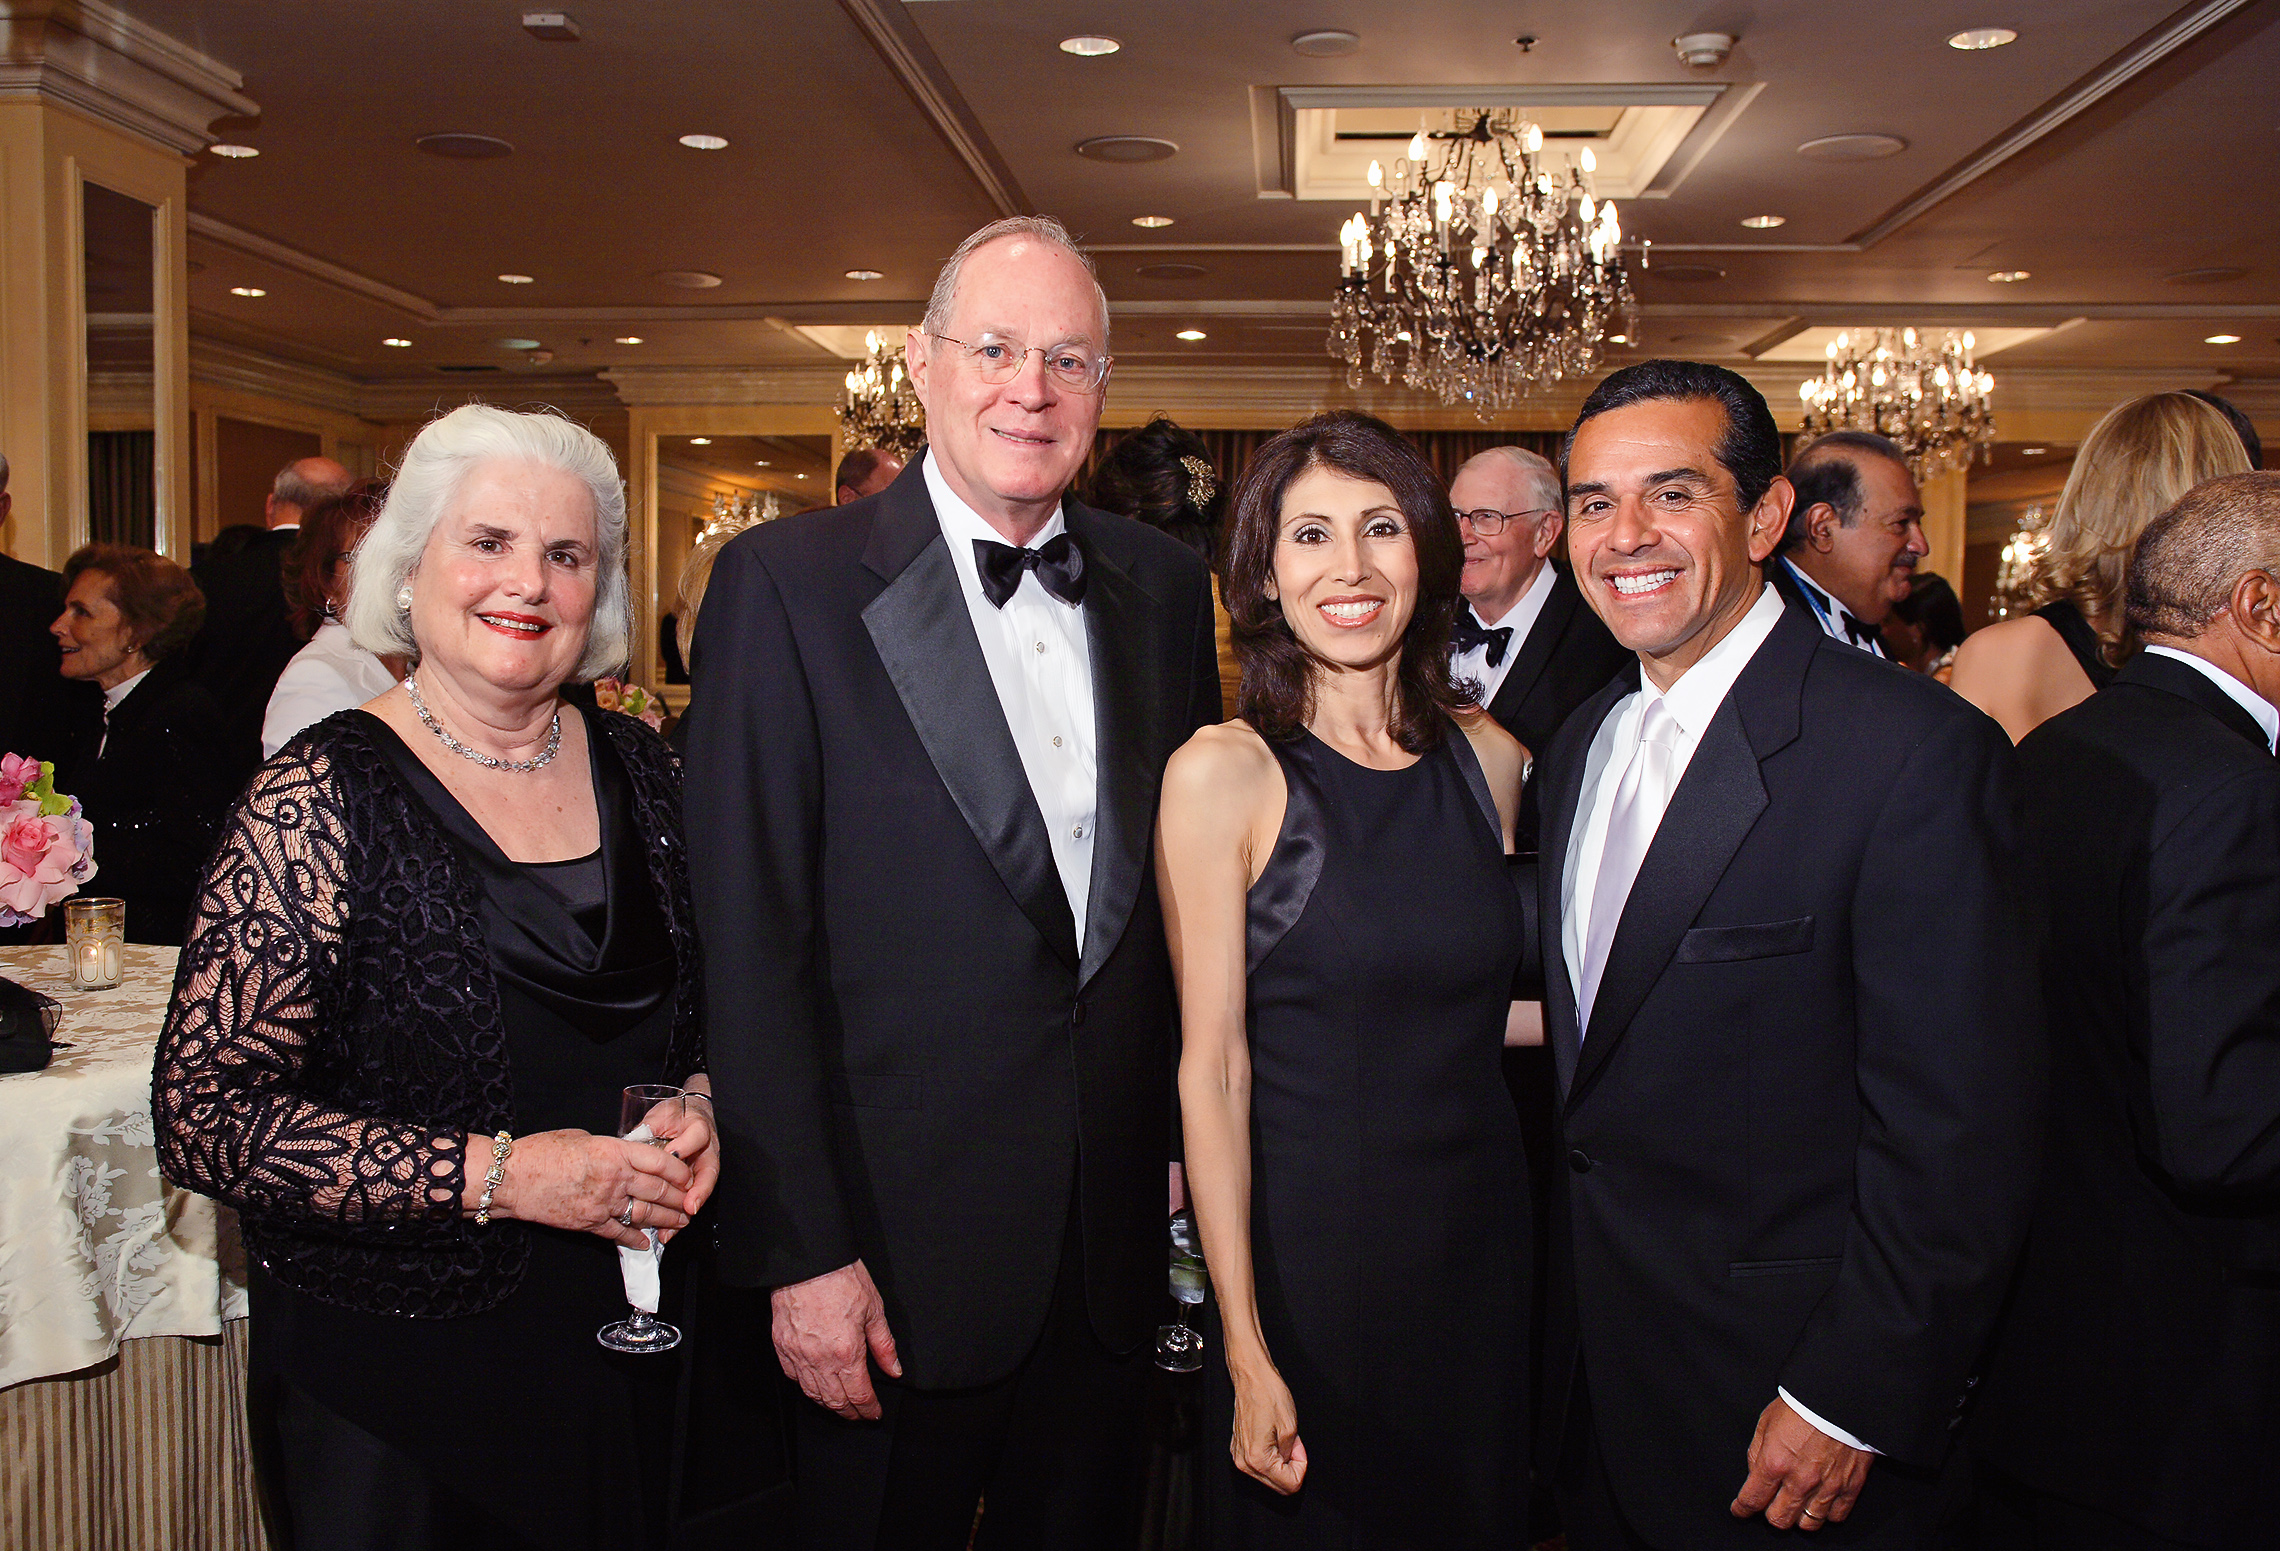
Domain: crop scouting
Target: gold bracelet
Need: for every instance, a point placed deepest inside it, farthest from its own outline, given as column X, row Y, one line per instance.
column 501, row 1146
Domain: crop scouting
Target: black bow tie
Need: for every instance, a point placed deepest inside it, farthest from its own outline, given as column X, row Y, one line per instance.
column 1858, row 633
column 1468, row 632
column 1059, row 564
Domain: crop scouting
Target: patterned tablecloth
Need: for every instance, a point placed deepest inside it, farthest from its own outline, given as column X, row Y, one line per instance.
column 96, row 1248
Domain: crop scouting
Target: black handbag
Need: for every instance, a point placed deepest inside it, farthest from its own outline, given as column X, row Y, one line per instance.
column 27, row 1028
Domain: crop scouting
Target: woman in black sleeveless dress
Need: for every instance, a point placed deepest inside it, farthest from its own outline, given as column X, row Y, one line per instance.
column 1335, row 890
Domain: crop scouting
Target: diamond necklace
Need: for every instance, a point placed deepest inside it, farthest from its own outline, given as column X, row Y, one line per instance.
column 488, row 761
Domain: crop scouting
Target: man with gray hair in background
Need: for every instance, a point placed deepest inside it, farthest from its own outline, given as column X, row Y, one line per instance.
column 2135, row 1383
column 1524, row 635
column 927, row 734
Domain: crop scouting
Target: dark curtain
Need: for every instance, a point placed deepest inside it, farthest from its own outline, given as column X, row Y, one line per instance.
column 122, row 492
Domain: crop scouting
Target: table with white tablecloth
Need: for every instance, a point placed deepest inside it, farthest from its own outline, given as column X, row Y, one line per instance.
column 122, row 1299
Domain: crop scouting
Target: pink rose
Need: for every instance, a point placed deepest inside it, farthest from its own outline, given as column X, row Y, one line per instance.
column 25, row 845
column 16, row 773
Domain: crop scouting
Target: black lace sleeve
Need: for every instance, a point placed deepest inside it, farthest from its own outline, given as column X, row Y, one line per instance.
column 239, row 1113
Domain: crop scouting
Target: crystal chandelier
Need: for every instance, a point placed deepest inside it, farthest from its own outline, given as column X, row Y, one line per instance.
column 733, row 513
column 1928, row 398
column 1487, row 275
column 2022, row 561
column 881, row 407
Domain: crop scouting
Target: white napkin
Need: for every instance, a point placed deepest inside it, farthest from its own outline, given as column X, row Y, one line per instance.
column 638, row 1268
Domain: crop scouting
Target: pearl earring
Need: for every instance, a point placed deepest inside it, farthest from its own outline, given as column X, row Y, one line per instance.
column 404, row 599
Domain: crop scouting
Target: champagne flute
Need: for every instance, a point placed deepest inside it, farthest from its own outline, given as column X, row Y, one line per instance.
column 1179, row 1349
column 646, row 1113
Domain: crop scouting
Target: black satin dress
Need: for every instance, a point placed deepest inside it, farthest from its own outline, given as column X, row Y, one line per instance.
column 1389, row 1200
column 512, row 1427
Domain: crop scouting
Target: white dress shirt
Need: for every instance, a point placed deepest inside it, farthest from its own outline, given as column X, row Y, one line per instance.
column 2267, row 716
column 1829, row 611
column 1692, row 701
column 1040, row 661
column 1522, row 616
column 111, row 698
column 331, row 673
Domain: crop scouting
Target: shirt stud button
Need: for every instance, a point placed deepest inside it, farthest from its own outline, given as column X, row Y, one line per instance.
column 1056, row 743
column 1041, row 646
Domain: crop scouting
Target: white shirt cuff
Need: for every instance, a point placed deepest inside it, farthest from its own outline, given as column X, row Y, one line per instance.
column 1838, row 1433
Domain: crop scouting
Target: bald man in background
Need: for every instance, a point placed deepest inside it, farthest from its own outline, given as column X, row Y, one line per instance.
column 248, row 636
column 865, row 471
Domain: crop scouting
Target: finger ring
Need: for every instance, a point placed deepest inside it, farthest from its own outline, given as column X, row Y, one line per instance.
column 627, row 1218
column 1810, row 1514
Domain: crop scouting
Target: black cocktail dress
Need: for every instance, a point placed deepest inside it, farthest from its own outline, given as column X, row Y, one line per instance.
column 511, row 1427
column 1390, row 1215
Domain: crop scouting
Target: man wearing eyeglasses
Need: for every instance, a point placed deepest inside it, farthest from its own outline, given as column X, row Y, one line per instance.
column 1524, row 635
column 921, row 805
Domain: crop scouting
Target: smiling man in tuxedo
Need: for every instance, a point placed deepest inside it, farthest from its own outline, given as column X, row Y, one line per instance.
column 1524, row 635
column 921, row 801
column 1788, row 967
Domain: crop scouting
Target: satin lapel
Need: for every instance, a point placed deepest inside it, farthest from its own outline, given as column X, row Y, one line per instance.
column 1128, row 673
column 1476, row 781
column 1712, row 812
column 925, row 638
column 1536, row 651
column 1561, row 775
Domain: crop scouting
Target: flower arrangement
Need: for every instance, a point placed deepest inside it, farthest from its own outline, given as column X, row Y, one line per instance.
column 630, row 700
column 47, row 847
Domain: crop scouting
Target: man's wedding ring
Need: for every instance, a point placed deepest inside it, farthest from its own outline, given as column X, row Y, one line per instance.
column 1810, row 1514
column 627, row 1217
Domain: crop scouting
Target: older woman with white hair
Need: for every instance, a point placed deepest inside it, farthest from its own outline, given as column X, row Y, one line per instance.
column 440, row 935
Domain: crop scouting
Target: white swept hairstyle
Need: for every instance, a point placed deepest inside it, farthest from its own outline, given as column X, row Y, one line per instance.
column 435, row 467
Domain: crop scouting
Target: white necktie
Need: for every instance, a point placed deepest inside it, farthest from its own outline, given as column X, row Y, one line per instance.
column 1631, row 825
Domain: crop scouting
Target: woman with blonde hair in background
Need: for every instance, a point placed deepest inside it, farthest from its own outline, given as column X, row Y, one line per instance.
column 2132, row 466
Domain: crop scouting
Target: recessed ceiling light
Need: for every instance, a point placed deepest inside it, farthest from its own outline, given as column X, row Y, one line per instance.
column 1328, row 44
column 629, row 339
column 687, row 279
column 1760, row 223
column 2033, row 452
column 1618, row 339
column 236, row 153
column 1171, row 271
column 1975, row 38
column 2213, row 276
column 799, row 476
column 2010, row 276
column 1127, row 148
column 400, row 344
column 704, row 142
column 247, row 290
column 516, row 344
column 1852, row 148
column 1191, row 334
column 760, row 463
column 1089, row 48
column 700, row 441
column 865, row 274
column 516, row 280
column 1152, row 222
column 2222, row 339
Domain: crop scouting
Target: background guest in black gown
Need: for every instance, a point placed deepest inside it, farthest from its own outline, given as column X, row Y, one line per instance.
column 457, row 915
column 37, row 713
column 1335, row 894
column 156, row 769
column 2135, row 1383
column 2134, row 464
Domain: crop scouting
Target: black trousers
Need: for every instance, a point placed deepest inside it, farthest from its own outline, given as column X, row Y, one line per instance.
column 1589, row 1514
column 2008, row 1516
column 1052, row 1455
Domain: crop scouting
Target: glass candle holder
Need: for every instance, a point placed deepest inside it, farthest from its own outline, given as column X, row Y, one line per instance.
column 95, row 935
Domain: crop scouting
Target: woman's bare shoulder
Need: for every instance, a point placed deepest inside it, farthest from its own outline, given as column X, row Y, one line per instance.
column 2023, row 642
column 1218, row 761
column 1501, row 755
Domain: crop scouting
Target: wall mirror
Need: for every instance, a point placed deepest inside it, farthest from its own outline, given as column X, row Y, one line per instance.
column 120, row 278
column 688, row 462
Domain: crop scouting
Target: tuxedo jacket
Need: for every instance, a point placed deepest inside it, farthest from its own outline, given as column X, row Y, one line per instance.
column 1568, row 657
column 41, row 707
column 917, row 1060
column 2138, row 1370
column 155, row 795
column 1800, row 1136
column 243, row 647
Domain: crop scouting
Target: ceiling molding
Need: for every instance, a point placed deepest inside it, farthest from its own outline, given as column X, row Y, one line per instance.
column 219, row 364
column 234, row 368
column 2103, row 82
column 98, row 61
column 285, row 256
column 913, row 61
column 1708, row 130
column 649, row 386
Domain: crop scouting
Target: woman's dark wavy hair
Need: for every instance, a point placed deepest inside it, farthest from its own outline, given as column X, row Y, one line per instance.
column 329, row 531
column 1279, row 673
column 1142, row 477
column 161, row 605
